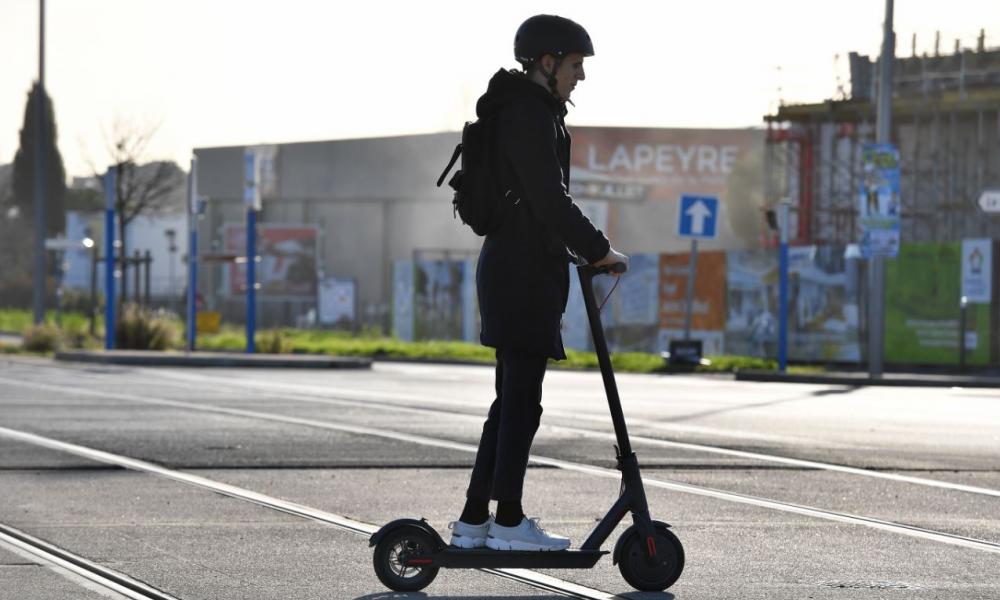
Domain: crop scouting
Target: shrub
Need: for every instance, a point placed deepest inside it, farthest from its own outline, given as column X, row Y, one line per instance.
column 273, row 341
column 140, row 329
column 77, row 335
column 43, row 337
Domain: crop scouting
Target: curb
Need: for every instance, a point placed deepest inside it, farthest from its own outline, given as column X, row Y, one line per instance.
column 863, row 380
column 213, row 359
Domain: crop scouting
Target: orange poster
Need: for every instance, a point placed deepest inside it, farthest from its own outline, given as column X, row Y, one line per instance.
column 708, row 312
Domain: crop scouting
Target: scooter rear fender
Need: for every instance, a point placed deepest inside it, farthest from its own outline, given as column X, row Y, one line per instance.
column 420, row 524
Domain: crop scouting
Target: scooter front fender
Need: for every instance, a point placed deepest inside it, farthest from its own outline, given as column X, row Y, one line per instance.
column 623, row 539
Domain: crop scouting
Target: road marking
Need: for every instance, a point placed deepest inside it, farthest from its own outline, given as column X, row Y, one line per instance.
column 79, row 570
column 912, row 531
column 638, row 439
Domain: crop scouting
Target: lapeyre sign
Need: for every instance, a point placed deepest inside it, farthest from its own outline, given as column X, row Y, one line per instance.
column 665, row 162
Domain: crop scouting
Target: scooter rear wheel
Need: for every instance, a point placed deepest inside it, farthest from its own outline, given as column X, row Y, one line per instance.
column 393, row 549
column 651, row 575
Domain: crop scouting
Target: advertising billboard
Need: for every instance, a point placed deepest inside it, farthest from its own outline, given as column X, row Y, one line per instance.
column 287, row 266
column 822, row 303
column 923, row 290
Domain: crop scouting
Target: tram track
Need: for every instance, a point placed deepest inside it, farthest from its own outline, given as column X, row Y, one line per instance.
column 525, row 576
column 77, row 568
column 338, row 398
column 594, row 470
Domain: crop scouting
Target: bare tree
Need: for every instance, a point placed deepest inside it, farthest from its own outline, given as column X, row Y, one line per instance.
column 142, row 188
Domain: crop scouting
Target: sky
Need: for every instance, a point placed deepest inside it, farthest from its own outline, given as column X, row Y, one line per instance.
column 238, row 72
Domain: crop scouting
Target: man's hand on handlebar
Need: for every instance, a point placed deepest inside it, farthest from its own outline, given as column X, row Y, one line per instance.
column 613, row 257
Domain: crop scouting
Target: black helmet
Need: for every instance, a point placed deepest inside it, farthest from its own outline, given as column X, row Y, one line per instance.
column 550, row 34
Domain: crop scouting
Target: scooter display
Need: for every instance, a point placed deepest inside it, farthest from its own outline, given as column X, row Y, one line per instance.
column 409, row 552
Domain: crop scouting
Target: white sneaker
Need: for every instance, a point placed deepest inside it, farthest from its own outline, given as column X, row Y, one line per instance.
column 464, row 535
column 528, row 535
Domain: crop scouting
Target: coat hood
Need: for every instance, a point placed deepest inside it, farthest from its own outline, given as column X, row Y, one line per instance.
column 506, row 86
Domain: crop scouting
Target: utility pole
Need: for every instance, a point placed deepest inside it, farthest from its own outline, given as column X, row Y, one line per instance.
column 40, row 229
column 876, row 270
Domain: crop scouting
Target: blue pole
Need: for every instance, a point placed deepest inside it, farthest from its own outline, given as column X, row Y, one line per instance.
column 251, row 278
column 783, row 288
column 783, row 307
column 192, row 286
column 192, row 320
column 109, row 260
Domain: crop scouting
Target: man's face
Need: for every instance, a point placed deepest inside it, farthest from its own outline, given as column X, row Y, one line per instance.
column 570, row 72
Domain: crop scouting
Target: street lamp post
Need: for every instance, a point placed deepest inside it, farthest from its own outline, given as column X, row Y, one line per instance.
column 876, row 271
column 40, row 228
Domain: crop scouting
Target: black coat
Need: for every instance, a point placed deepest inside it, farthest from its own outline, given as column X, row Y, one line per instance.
column 523, row 273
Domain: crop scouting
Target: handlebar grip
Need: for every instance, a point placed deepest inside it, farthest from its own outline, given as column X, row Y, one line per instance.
column 612, row 269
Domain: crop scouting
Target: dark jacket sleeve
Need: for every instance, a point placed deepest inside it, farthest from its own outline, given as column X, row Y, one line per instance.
column 529, row 139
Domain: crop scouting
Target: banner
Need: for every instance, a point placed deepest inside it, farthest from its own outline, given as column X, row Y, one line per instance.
column 879, row 200
column 287, row 264
column 708, row 306
column 923, row 288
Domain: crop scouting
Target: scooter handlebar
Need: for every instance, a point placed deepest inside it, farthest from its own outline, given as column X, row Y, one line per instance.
column 611, row 269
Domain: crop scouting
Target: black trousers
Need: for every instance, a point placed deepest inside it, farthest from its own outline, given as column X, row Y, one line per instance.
column 510, row 427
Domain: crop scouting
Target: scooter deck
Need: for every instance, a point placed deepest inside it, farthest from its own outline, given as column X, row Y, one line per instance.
column 458, row 558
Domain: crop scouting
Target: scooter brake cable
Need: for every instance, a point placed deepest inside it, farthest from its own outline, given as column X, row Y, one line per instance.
column 617, row 279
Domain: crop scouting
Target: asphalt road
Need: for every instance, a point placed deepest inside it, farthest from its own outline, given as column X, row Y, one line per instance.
column 778, row 491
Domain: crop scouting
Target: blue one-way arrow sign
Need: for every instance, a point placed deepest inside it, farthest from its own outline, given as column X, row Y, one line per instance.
column 697, row 216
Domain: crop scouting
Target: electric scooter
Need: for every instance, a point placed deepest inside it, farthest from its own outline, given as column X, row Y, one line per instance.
column 409, row 552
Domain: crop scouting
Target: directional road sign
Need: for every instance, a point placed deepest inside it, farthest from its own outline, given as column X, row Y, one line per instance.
column 989, row 201
column 698, row 216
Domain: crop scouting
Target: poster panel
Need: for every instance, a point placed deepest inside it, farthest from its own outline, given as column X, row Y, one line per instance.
column 470, row 302
column 287, row 264
column 977, row 270
column 823, row 309
column 438, row 299
column 923, row 288
column 708, row 306
column 575, row 328
column 337, row 301
column 823, row 299
column 402, row 300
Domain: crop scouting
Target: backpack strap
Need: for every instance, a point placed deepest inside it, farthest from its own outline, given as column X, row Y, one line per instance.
column 451, row 163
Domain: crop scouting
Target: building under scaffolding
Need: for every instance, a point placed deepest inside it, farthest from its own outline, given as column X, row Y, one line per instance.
column 945, row 122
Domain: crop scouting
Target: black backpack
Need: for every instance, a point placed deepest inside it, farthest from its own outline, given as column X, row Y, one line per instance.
column 479, row 197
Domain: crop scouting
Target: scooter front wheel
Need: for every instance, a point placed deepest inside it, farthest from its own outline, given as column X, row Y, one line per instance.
column 651, row 574
column 390, row 556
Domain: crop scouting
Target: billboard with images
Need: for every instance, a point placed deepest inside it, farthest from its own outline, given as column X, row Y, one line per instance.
column 287, row 264
column 822, row 303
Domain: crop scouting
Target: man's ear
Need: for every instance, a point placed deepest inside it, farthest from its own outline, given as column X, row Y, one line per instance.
column 547, row 61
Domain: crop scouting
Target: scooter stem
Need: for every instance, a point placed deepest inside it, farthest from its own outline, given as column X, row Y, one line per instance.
column 587, row 274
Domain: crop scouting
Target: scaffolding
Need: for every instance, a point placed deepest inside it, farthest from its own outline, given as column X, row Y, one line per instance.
column 946, row 125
